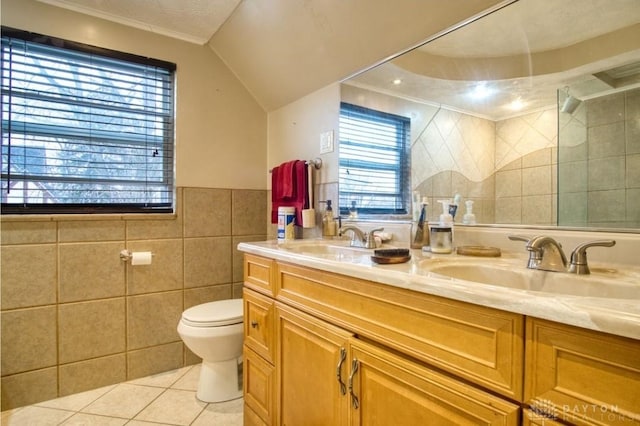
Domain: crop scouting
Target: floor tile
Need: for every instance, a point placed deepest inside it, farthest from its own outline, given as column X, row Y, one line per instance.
column 173, row 406
column 82, row 419
column 141, row 423
column 78, row 401
column 222, row 414
column 125, row 401
column 34, row 416
column 189, row 381
column 162, row 380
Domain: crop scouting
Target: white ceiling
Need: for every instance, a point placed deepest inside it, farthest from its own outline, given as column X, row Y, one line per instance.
column 195, row 21
column 523, row 28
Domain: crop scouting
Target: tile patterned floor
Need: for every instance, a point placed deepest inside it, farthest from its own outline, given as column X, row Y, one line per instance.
column 167, row 399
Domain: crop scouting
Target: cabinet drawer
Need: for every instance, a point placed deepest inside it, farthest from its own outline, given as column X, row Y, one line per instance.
column 259, row 387
column 482, row 345
column 258, row 273
column 584, row 376
column 259, row 329
column 392, row 390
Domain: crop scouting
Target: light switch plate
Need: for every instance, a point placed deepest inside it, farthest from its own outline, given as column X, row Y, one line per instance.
column 326, row 142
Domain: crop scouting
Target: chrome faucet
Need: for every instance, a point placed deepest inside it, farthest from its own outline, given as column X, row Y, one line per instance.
column 546, row 254
column 360, row 238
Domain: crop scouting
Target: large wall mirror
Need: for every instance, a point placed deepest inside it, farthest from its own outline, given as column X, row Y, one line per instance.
column 532, row 112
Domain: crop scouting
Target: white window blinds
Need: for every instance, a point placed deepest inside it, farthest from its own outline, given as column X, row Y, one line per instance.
column 374, row 161
column 84, row 129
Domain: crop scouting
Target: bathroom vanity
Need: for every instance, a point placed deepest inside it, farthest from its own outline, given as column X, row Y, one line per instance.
column 331, row 338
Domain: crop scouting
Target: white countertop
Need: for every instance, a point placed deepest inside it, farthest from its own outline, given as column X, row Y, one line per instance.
column 616, row 316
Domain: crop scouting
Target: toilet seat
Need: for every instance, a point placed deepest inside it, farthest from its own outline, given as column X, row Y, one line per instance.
column 214, row 314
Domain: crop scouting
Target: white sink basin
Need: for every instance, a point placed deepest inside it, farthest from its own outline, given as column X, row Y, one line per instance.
column 601, row 283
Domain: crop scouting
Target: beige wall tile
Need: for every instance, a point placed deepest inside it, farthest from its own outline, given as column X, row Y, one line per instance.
column 91, row 329
column 31, row 232
column 536, row 209
column 633, row 171
column 91, row 271
column 92, row 374
column 248, row 211
column 207, row 261
column 541, row 157
column 536, row 181
column 207, row 212
column 152, row 319
column 606, row 140
column 28, row 339
column 509, row 183
column 237, row 290
column 572, row 209
column 196, row 296
column 606, row 206
column 238, row 256
column 91, row 230
column 606, row 173
column 508, row 210
column 170, row 226
column 29, row 275
column 165, row 271
column 156, row 359
column 28, row 388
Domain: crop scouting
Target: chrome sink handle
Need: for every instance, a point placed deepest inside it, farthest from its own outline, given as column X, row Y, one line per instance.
column 534, row 256
column 546, row 254
column 579, row 256
column 371, row 238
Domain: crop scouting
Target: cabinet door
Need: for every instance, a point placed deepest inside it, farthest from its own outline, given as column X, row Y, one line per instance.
column 310, row 366
column 387, row 389
column 259, row 388
column 585, row 377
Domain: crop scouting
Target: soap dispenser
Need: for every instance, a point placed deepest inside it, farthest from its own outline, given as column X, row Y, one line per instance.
column 469, row 218
column 328, row 221
column 442, row 234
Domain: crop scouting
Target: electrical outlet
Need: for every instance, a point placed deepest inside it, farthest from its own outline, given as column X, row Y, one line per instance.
column 326, row 142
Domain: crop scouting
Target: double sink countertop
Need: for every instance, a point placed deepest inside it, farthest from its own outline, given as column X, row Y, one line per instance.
column 607, row 300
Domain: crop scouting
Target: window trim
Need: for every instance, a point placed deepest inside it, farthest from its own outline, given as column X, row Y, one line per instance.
column 168, row 169
column 403, row 194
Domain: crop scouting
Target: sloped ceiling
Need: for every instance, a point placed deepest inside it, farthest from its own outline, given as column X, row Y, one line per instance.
column 282, row 50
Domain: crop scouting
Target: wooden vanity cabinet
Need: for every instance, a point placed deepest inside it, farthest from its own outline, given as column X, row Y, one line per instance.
column 304, row 367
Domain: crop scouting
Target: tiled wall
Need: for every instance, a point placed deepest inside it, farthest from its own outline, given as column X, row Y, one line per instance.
column 600, row 162
column 75, row 317
column 505, row 167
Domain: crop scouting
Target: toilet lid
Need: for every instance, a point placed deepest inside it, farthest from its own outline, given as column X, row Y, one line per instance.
column 221, row 312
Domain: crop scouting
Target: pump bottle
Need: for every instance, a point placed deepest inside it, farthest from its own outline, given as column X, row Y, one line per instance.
column 328, row 221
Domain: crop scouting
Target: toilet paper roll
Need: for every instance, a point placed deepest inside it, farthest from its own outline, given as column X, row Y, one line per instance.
column 141, row 258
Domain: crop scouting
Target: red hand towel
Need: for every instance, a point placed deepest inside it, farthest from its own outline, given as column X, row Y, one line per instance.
column 289, row 188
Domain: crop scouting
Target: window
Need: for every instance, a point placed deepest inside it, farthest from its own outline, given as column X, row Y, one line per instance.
column 84, row 129
column 374, row 161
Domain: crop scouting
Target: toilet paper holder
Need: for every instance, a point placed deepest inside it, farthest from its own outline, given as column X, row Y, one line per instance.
column 127, row 255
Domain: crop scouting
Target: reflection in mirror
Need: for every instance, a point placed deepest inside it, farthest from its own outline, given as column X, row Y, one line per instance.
column 535, row 120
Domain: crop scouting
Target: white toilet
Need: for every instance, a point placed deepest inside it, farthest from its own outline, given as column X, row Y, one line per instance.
column 214, row 332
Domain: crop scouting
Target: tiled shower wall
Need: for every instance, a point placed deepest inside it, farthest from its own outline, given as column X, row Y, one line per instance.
column 600, row 162
column 76, row 317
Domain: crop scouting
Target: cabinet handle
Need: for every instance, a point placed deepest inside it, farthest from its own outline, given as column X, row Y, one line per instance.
column 254, row 324
column 343, row 357
column 354, row 399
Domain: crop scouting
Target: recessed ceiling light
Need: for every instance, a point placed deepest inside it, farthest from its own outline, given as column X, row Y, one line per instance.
column 516, row 105
column 482, row 91
column 397, row 81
